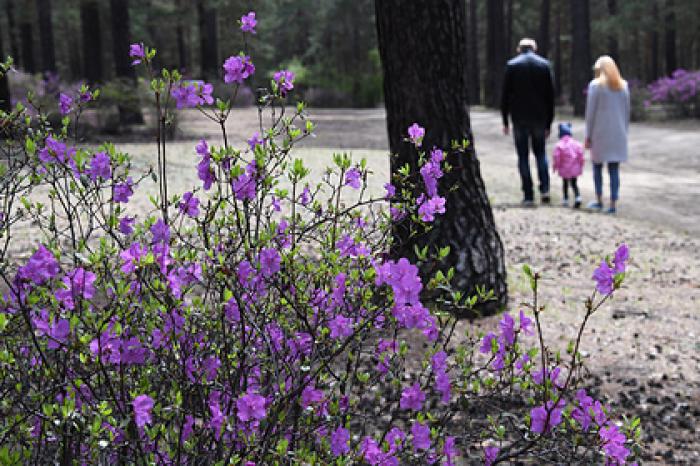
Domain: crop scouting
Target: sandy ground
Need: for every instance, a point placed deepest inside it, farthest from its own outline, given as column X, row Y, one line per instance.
column 644, row 346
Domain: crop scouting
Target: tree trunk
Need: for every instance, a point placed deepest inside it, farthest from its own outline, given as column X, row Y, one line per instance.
column 474, row 79
column 654, row 62
column 183, row 63
column 508, row 47
column 423, row 48
column 581, row 62
column 12, row 32
column 92, row 41
column 48, row 50
column 208, row 40
column 495, row 52
column 121, row 39
column 27, row 47
column 558, row 68
column 5, row 103
column 670, row 38
column 613, row 48
column 543, row 39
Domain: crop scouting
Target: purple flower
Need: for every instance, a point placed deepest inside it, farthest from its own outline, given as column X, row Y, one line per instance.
column 421, row 436
column 269, row 262
column 79, row 283
column 412, row 398
column 65, row 103
column 251, row 407
column 416, row 134
column 395, row 438
column 613, row 443
column 603, row 276
column 538, row 417
column 450, row 451
column 41, row 267
column 131, row 257
column 622, row 254
column 284, row 80
column 100, row 167
column 352, row 178
column 432, row 206
column 436, row 155
column 431, row 172
column 390, row 190
column 507, row 326
column 341, row 327
column 305, row 196
column 486, row 345
column 126, row 225
column 123, row 191
column 490, row 455
column 340, row 441
column 310, row 395
column 160, row 231
column 255, row 140
column 244, row 187
column 525, row 323
column 56, row 330
column 238, row 68
column 143, row 404
column 189, row 205
column 192, row 94
column 138, row 52
column 248, row 22
column 442, row 384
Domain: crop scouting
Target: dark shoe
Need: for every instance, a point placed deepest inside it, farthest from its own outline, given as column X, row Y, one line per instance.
column 577, row 203
column 545, row 199
column 611, row 211
column 527, row 203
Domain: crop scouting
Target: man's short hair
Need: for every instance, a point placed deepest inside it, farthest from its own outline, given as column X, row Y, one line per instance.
column 527, row 44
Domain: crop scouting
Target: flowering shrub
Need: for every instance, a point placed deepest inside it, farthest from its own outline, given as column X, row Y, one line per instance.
column 681, row 89
column 257, row 318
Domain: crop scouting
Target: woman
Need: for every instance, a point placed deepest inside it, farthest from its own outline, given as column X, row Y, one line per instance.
column 607, row 123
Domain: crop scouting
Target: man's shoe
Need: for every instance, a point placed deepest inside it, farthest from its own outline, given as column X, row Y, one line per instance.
column 595, row 205
column 611, row 211
column 545, row 199
column 527, row 203
column 577, row 202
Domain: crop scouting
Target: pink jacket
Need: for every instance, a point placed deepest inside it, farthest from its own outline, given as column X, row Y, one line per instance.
column 568, row 157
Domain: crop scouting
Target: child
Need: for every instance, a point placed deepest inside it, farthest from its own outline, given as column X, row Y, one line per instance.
column 568, row 161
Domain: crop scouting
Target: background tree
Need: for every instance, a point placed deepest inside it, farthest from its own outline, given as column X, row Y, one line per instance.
column 543, row 36
column 423, row 50
column 208, row 39
column 5, row 103
column 12, row 31
column 581, row 61
column 121, row 39
column 613, row 49
column 92, row 40
column 670, row 37
column 48, row 54
column 495, row 52
column 474, row 70
column 27, row 34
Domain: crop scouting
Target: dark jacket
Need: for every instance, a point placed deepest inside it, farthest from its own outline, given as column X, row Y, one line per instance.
column 528, row 91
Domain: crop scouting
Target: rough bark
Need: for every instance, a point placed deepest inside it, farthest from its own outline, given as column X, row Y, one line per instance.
column 48, row 49
column 422, row 46
column 183, row 63
column 653, row 72
column 208, row 39
column 543, row 38
column 670, row 38
column 28, row 63
column 12, row 32
column 495, row 53
column 92, row 41
column 508, row 42
column 581, row 61
column 474, row 72
column 558, row 68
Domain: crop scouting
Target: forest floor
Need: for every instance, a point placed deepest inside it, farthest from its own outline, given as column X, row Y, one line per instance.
column 643, row 348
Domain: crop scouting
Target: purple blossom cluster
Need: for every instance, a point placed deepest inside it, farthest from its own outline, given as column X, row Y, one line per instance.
column 681, row 87
column 190, row 94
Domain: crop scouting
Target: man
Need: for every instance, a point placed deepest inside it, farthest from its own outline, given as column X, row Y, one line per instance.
column 528, row 98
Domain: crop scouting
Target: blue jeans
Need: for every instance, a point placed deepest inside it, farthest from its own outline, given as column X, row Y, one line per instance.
column 524, row 137
column 613, row 172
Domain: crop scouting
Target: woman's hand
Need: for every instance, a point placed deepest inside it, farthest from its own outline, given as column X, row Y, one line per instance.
column 588, row 143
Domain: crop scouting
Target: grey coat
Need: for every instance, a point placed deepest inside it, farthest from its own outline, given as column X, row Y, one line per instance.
column 607, row 122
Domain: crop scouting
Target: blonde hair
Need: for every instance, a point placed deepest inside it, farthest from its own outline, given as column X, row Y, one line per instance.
column 607, row 73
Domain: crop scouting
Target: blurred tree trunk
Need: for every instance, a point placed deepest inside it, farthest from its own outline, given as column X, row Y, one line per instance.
column 423, row 50
column 670, row 38
column 5, row 103
column 474, row 81
column 48, row 49
column 613, row 49
column 543, row 39
column 180, row 34
column 581, row 61
column 208, row 40
column 558, row 68
column 653, row 71
column 27, row 47
column 121, row 39
column 508, row 49
column 495, row 52
column 12, row 32
column 92, row 41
